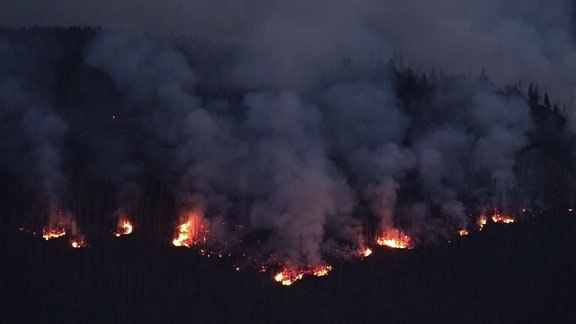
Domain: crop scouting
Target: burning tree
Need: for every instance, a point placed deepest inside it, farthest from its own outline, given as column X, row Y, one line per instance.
column 191, row 230
column 394, row 238
column 125, row 227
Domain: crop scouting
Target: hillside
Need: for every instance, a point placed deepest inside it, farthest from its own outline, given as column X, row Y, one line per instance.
column 507, row 273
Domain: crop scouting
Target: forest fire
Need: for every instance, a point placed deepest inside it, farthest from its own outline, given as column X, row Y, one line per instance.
column 394, row 238
column 289, row 276
column 365, row 252
column 125, row 227
column 501, row 218
column 191, row 231
column 77, row 243
column 184, row 237
column 48, row 234
column 481, row 222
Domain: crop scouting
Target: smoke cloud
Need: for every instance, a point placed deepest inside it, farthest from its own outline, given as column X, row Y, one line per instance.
column 299, row 124
column 32, row 144
column 283, row 44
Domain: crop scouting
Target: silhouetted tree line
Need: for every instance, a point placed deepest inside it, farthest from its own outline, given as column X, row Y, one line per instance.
column 551, row 150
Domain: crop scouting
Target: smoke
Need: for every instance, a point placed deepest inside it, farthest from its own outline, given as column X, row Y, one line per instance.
column 32, row 142
column 283, row 44
column 156, row 86
column 364, row 127
column 292, row 121
column 297, row 186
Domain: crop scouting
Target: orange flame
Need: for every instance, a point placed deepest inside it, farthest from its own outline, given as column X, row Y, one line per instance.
column 191, row 231
column 77, row 243
column 48, row 234
column 481, row 221
column 501, row 218
column 184, row 237
column 394, row 238
column 365, row 252
column 289, row 276
column 125, row 227
column 463, row 232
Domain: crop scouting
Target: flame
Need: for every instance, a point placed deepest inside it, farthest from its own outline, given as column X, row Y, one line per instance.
column 66, row 226
column 394, row 238
column 191, row 231
column 184, row 237
column 463, row 232
column 365, row 253
column 501, row 218
column 481, row 221
column 289, row 276
column 322, row 271
column 125, row 227
column 77, row 243
column 48, row 234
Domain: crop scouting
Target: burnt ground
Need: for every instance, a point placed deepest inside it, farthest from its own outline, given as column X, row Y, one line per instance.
column 524, row 272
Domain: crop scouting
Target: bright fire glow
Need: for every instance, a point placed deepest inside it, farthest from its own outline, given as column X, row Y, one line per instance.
column 289, row 276
column 365, row 253
column 191, row 231
column 48, row 234
column 394, row 238
column 463, row 232
column 125, row 227
column 501, row 218
column 77, row 243
column 184, row 237
column 481, row 221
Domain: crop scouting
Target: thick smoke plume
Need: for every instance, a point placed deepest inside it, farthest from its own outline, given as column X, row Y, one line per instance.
column 32, row 147
column 285, row 44
column 293, row 130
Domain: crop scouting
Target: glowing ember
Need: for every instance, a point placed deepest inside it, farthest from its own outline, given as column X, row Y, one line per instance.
column 394, row 238
column 289, row 276
column 191, row 231
column 286, row 278
column 365, row 253
column 77, row 243
column 322, row 271
column 124, row 228
column 48, row 234
column 501, row 218
column 481, row 222
column 570, row 210
column 463, row 232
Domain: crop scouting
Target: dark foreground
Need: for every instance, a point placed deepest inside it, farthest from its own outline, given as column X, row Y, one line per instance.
column 524, row 272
